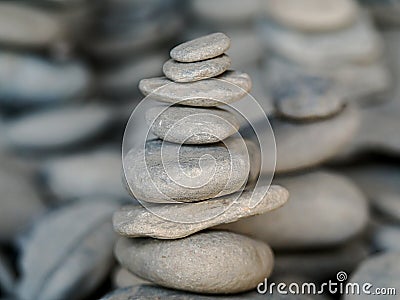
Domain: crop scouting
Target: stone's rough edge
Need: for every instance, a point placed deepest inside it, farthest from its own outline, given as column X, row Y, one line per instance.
column 275, row 198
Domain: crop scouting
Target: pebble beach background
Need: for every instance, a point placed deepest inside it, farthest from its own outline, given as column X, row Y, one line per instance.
column 327, row 74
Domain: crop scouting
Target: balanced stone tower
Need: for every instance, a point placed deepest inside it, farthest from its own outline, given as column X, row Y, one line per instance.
column 167, row 240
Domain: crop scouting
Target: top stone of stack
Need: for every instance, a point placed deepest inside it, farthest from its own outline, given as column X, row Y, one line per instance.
column 202, row 48
column 198, row 59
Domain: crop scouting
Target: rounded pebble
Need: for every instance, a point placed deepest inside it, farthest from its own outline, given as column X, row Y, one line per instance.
column 224, row 89
column 324, row 209
column 166, row 172
column 202, row 48
column 189, row 72
column 224, row 262
column 188, row 125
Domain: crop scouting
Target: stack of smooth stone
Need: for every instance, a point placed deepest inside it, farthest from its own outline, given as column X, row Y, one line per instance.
column 167, row 241
column 330, row 38
column 322, row 57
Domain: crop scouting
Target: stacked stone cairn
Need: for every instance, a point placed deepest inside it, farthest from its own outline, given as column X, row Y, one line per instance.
column 158, row 245
column 335, row 39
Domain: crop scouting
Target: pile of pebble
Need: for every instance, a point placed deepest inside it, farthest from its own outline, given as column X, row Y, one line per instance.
column 69, row 77
column 325, row 38
column 181, row 255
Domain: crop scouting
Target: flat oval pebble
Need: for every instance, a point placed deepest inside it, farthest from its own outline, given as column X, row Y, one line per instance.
column 20, row 202
column 324, row 209
column 224, row 89
column 99, row 175
column 24, row 25
column 166, row 221
column 295, row 142
column 147, row 291
column 202, row 48
column 312, row 15
column 189, row 125
column 189, row 72
column 307, row 97
column 69, row 247
column 359, row 43
column 380, row 271
column 186, row 173
column 58, row 128
column 216, row 262
column 353, row 82
column 32, row 80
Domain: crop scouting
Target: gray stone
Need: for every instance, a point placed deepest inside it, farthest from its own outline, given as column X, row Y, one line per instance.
column 31, row 80
column 312, row 15
column 295, row 142
column 324, row 209
column 231, row 87
column 380, row 184
column 123, row 278
column 386, row 238
column 378, row 130
column 216, row 262
column 381, row 271
column 189, row 72
column 189, row 125
column 24, row 26
column 59, row 127
column 146, row 291
column 99, row 175
column 186, row 173
column 226, row 11
column 359, row 43
column 307, row 97
column 354, row 82
column 322, row 264
column 162, row 221
column 20, row 202
column 202, row 48
column 7, row 276
column 70, row 247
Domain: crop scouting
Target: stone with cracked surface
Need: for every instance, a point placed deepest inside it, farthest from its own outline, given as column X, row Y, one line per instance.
column 224, row 89
column 137, row 221
column 202, row 48
column 214, row 262
column 190, row 72
column 164, row 172
column 190, row 125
